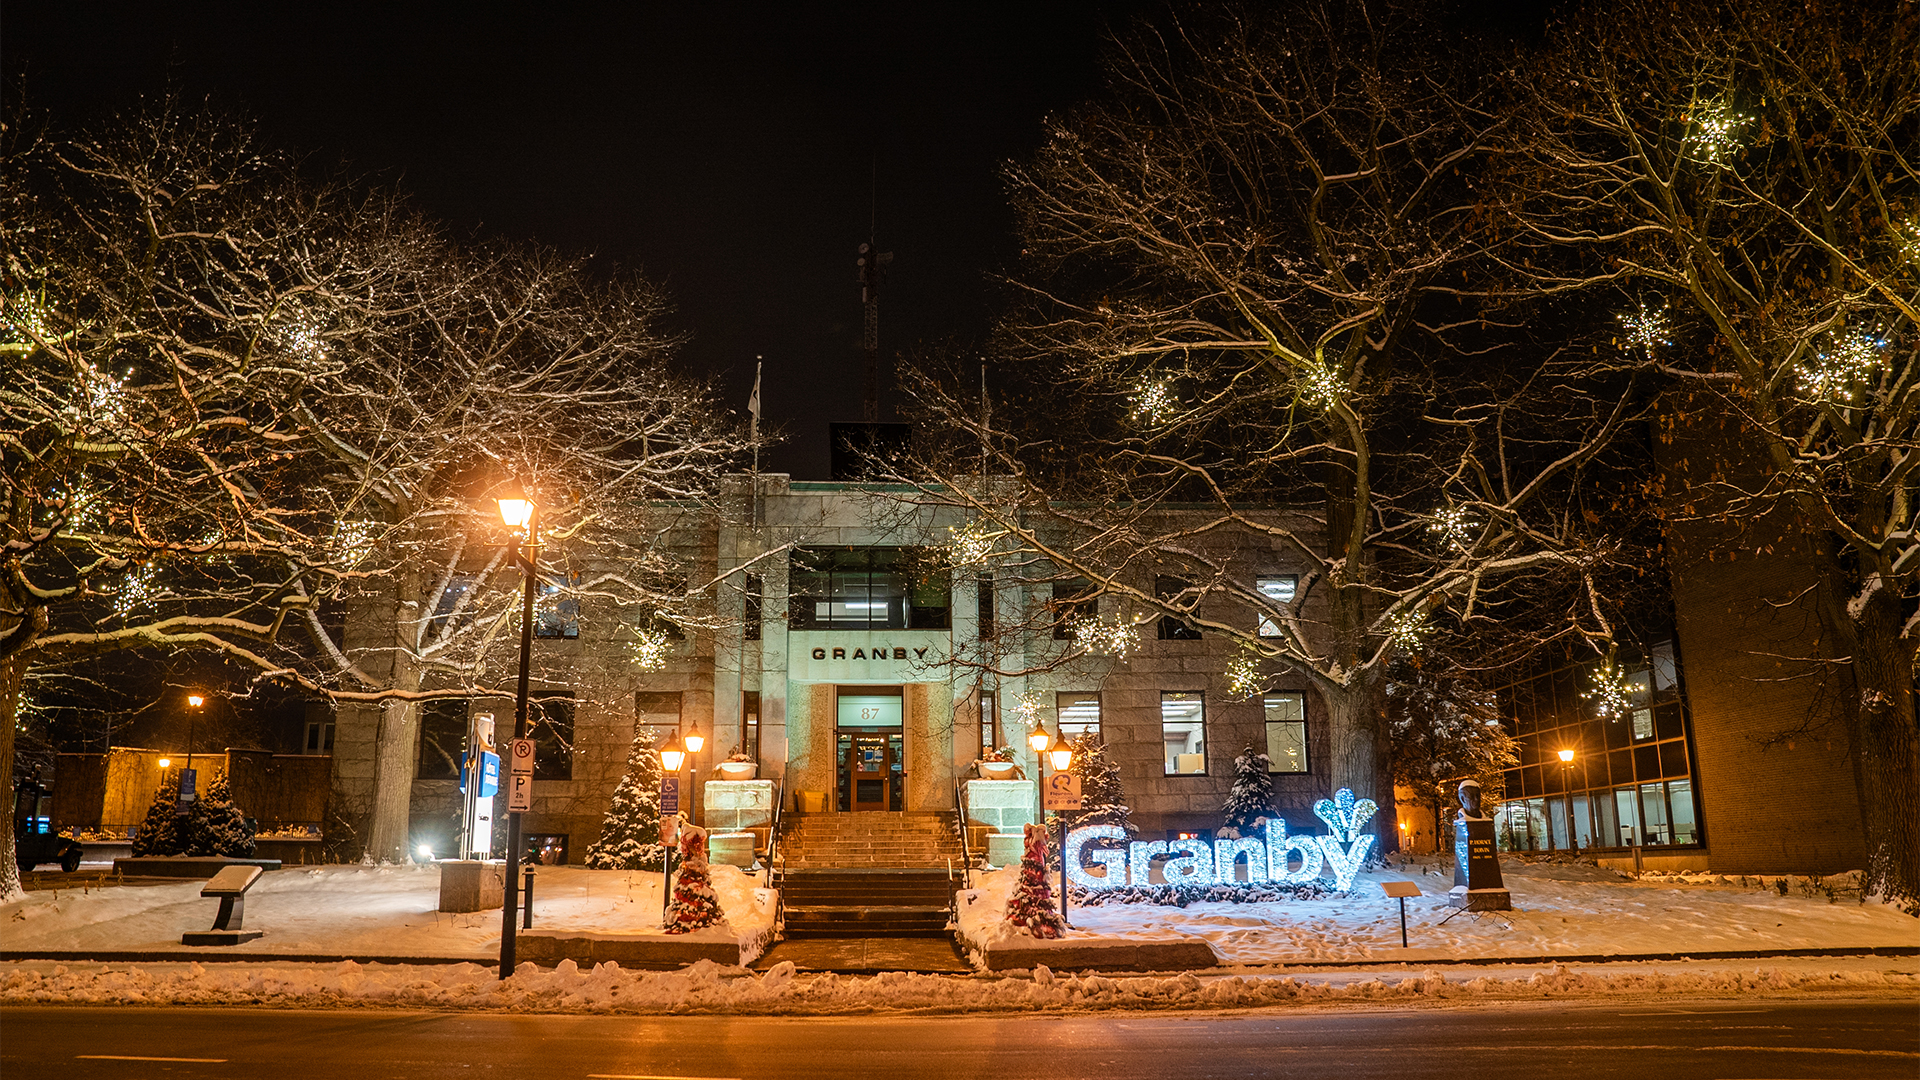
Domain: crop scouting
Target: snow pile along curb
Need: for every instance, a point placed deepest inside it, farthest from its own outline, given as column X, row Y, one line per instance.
column 708, row 988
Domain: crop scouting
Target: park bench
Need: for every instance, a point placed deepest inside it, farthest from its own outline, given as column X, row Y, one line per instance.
column 230, row 886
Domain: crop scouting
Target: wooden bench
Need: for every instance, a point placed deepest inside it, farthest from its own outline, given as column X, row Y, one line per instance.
column 230, row 886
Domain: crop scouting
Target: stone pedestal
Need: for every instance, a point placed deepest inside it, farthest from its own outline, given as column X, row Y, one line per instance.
column 1002, row 805
column 1477, row 885
column 730, row 848
column 1005, row 849
column 472, row 885
column 737, row 805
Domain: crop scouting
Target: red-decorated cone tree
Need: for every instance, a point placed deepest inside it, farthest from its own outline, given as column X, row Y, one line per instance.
column 1032, row 906
column 694, row 906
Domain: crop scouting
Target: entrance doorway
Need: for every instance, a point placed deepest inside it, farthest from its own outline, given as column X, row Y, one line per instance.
column 870, row 771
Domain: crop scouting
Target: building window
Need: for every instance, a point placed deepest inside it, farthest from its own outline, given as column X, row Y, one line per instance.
column 658, row 711
column 443, row 739
column 989, row 718
column 868, row 589
column 450, row 609
column 983, row 591
column 1286, row 733
column 750, row 724
column 1079, row 714
column 319, row 737
column 1183, row 727
column 1277, row 591
column 1073, row 599
column 550, row 725
column 556, row 610
column 755, row 603
column 1171, row 628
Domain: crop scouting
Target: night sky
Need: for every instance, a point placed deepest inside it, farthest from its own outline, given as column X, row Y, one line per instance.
column 728, row 150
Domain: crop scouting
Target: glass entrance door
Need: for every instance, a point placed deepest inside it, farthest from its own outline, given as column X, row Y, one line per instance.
column 870, row 774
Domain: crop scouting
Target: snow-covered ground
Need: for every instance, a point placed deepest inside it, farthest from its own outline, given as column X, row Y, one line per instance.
column 1560, row 909
column 366, row 911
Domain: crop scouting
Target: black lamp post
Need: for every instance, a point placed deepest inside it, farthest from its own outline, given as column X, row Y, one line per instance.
column 518, row 512
column 673, row 757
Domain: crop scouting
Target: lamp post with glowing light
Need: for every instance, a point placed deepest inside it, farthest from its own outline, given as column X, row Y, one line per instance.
column 194, row 702
column 518, row 513
column 1062, row 756
column 1566, row 788
column 673, row 756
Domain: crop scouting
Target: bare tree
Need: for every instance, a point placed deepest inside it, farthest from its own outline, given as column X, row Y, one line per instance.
column 1741, row 180
column 1250, row 314
column 240, row 400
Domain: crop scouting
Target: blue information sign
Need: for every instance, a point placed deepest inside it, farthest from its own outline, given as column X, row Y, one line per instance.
column 489, row 775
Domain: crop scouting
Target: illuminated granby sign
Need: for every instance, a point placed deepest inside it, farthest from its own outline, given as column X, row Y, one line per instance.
column 1196, row 862
column 877, row 652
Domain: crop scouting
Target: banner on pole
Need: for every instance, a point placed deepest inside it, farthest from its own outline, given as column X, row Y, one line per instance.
column 1063, row 791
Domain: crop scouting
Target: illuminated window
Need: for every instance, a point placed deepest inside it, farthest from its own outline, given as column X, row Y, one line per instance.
column 1183, row 728
column 1278, row 591
column 1079, row 714
column 1286, row 733
column 867, row 589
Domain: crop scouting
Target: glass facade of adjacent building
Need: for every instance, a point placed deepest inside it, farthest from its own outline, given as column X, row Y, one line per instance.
column 1591, row 781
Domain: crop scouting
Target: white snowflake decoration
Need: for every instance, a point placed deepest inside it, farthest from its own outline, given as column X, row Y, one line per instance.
column 1319, row 386
column 1611, row 694
column 1243, row 675
column 1715, row 132
column 352, row 542
column 648, row 649
column 1455, row 527
column 1407, row 630
column 1154, row 402
column 1647, row 329
column 1103, row 638
column 1835, row 374
column 1026, row 710
column 970, row 544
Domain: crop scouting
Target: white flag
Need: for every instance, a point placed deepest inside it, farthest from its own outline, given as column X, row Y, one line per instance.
column 753, row 405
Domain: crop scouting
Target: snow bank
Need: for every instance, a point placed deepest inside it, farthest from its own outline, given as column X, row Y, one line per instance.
column 365, row 911
column 708, row 988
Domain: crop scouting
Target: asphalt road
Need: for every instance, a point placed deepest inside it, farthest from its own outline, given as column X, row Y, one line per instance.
column 1694, row 1041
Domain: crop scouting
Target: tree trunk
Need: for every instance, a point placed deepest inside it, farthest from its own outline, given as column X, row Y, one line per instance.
column 395, row 745
column 1353, row 749
column 12, row 670
column 1887, row 748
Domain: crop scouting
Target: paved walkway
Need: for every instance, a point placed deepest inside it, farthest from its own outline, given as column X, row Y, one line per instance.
column 867, row 955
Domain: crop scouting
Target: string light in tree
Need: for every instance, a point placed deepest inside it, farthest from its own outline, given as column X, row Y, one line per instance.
column 1244, row 677
column 140, row 587
column 1406, row 629
column 970, row 544
column 648, row 649
column 1836, row 373
column 1319, row 386
column 1609, row 690
column 1026, row 711
column 1647, row 329
column 1455, row 527
column 1100, row 637
column 1714, row 131
column 352, row 542
column 1154, row 402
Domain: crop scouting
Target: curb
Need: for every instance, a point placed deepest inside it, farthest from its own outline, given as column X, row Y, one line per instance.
column 226, row 956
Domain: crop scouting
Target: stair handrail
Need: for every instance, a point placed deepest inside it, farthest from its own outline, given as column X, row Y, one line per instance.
column 960, row 823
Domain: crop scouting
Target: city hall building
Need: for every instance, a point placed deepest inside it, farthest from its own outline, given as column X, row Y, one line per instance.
column 855, row 672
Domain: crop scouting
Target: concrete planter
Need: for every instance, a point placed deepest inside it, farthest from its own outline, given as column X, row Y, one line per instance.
column 738, row 770
column 997, row 770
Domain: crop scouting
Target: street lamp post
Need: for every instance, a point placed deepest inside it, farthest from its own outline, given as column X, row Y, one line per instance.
column 673, row 756
column 1062, row 756
column 1566, row 790
column 518, row 512
column 194, row 702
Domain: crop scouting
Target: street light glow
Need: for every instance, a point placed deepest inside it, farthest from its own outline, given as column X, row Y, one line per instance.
column 166, row 762
column 196, row 700
column 672, row 756
column 695, row 741
column 1566, row 757
column 1062, row 756
column 1039, row 740
column 515, row 508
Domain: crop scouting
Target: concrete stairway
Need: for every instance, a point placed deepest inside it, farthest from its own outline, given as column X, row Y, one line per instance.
column 866, row 903
column 867, row 874
column 923, row 840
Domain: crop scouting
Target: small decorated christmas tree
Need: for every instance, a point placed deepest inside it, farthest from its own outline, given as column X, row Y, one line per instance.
column 1031, row 907
column 630, row 833
column 1102, row 802
column 159, row 833
column 694, row 905
column 217, row 827
column 1251, row 801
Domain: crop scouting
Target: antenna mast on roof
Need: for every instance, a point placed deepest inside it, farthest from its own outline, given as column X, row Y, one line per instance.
column 871, row 264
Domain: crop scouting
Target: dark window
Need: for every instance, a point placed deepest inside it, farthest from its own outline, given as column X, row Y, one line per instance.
column 1286, row 732
column 443, row 738
column 868, row 589
column 556, row 609
column 984, row 591
column 658, row 711
column 319, row 737
column 1171, row 628
column 989, row 719
column 1073, row 599
column 550, row 723
column 756, row 592
column 750, row 724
